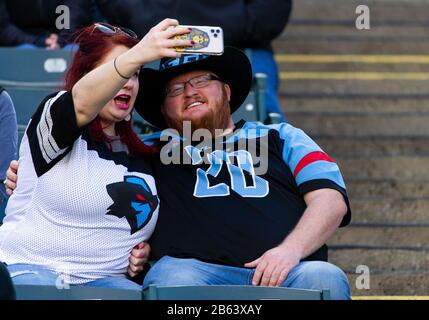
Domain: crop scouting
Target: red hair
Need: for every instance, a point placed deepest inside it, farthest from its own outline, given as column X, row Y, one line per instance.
column 93, row 46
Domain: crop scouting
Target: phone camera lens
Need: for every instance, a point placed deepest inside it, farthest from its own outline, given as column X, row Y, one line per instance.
column 217, row 31
column 212, row 31
column 215, row 35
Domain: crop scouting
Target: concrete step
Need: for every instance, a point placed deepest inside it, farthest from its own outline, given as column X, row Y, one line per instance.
column 310, row 29
column 380, row 261
column 385, row 168
column 392, row 284
column 390, row 211
column 373, row 147
column 388, row 190
column 349, row 103
column 392, row 237
column 353, row 87
column 375, row 129
column 361, row 45
column 363, row 125
column 402, row 10
column 351, row 67
column 396, row 27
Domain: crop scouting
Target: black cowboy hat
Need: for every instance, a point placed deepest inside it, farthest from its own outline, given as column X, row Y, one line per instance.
column 233, row 67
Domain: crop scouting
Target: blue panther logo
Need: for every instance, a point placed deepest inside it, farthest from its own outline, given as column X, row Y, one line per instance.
column 133, row 200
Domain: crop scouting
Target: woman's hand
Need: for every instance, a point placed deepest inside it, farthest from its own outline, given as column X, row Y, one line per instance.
column 159, row 42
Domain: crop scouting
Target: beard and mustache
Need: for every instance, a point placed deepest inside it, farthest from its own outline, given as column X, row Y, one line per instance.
column 218, row 117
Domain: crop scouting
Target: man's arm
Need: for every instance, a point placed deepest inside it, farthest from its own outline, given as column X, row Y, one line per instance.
column 11, row 177
column 325, row 211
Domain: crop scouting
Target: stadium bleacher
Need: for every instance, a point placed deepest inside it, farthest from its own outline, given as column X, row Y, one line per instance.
column 212, row 292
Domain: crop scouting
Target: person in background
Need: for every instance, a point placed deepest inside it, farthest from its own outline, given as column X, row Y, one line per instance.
column 8, row 142
column 29, row 24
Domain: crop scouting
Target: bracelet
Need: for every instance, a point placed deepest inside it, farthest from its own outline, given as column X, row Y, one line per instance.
column 116, row 68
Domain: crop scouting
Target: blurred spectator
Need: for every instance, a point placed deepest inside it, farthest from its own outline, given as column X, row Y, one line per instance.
column 249, row 24
column 8, row 141
column 125, row 13
column 7, row 292
column 29, row 23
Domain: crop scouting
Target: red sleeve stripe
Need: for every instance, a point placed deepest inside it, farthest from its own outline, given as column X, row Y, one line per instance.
column 310, row 158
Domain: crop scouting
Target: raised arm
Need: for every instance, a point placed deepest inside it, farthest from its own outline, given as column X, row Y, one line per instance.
column 100, row 85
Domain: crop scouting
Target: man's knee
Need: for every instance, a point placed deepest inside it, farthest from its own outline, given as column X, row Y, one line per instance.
column 321, row 270
column 173, row 271
column 320, row 275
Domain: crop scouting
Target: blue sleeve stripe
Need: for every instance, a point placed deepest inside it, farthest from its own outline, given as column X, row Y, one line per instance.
column 321, row 170
column 296, row 145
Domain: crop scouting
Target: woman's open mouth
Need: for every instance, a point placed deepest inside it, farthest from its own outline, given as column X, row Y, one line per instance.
column 122, row 101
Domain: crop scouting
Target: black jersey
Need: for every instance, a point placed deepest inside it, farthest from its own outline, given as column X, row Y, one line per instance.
column 226, row 209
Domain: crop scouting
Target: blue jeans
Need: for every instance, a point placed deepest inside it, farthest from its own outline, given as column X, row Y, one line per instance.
column 263, row 62
column 319, row 275
column 36, row 275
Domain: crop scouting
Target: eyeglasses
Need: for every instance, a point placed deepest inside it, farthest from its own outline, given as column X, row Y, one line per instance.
column 111, row 30
column 197, row 82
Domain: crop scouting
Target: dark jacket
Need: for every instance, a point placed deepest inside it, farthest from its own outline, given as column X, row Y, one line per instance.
column 27, row 21
column 246, row 23
column 7, row 291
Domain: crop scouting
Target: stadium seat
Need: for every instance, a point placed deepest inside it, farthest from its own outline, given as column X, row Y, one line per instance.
column 231, row 292
column 253, row 108
column 39, row 292
column 30, row 75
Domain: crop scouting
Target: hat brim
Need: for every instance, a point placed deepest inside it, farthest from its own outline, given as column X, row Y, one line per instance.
column 233, row 67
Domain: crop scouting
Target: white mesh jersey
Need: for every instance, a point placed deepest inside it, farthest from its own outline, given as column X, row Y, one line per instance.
column 79, row 209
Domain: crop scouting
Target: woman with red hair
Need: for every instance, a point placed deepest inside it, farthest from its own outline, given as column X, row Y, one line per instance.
column 86, row 195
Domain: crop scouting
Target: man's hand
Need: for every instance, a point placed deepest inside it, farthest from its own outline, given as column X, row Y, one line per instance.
column 273, row 266
column 324, row 213
column 139, row 256
column 11, row 177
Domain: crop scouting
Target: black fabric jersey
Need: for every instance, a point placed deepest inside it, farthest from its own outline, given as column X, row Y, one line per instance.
column 220, row 206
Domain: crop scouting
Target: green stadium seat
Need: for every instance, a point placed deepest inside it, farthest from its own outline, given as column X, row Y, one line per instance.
column 35, row 65
column 30, row 75
column 253, row 108
column 40, row 292
column 231, row 292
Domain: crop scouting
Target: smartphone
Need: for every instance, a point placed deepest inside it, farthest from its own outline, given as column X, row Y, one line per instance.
column 208, row 40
